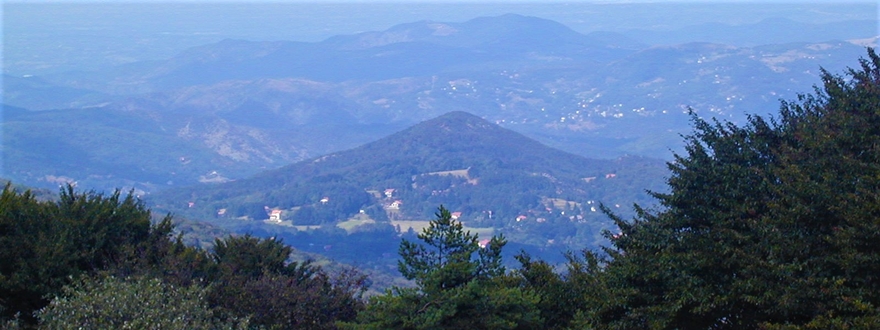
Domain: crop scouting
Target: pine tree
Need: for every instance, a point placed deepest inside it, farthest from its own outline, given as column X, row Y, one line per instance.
column 459, row 285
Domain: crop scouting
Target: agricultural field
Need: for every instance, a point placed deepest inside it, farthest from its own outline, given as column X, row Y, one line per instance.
column 419, row 225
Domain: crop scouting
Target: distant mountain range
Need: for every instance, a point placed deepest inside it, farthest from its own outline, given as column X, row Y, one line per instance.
column 231, row 109
column 775, row 30
column 407, row 50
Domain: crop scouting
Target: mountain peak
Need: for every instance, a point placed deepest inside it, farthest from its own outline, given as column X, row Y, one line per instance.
column 456, row 120
column 458, row 131
column 491, row 30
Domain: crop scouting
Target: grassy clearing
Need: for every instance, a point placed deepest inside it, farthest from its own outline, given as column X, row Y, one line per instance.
column 419, row 225
column 304, row 228
column 560, row 203
column 416, row 225
column 463, row 173
column 482, row 232
column 351, row 224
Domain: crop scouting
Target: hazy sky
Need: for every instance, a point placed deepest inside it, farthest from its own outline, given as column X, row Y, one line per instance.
column 44, row 36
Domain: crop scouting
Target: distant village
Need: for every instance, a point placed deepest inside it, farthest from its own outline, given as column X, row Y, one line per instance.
column 392, row 205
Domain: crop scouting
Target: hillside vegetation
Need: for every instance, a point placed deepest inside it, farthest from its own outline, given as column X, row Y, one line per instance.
column 488, row 176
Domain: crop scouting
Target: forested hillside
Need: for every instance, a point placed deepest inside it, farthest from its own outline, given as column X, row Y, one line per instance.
column 490, row 177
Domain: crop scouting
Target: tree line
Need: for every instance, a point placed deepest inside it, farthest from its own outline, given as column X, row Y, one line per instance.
column 89, row 260
column 774, row 224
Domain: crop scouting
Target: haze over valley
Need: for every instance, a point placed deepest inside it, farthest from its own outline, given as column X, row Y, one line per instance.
column 218, row 164
column 523, row 118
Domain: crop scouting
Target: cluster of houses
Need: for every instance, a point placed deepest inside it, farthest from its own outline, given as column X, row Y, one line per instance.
column 394, row 205
column 276, row 215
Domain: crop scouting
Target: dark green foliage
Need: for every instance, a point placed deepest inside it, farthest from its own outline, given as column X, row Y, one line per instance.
column 43, row 244
column 564, row 294
column 285, row 302
column 557, row 299
column 460, row 285
column 773, row 224
column 446, row 258
column 163, row 256
column 254, row 280
column 249, row 256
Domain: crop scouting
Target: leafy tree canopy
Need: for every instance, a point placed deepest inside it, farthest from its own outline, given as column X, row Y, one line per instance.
column 101, row 240
column 136, row 303
column 44, row 243
column 255, row 280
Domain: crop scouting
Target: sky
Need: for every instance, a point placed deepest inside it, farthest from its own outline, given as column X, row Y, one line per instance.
column 48, row 36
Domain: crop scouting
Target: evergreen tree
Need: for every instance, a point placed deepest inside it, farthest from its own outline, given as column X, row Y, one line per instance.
column 564, row 295
column 459, row 285
column 772, row 224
